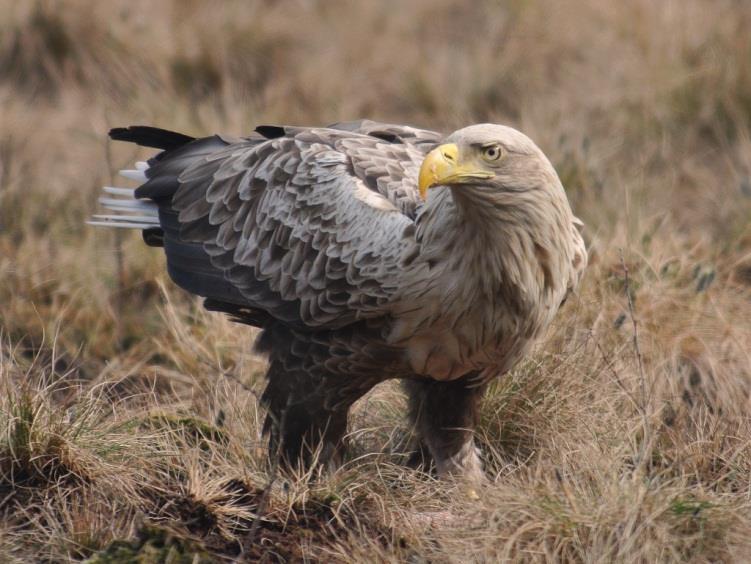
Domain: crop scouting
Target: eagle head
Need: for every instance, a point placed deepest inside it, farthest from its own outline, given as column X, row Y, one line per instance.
column 490, row 159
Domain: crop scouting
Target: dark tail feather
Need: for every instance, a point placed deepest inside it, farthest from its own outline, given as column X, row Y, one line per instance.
column 188, row 263
column 150, row 136
column 153, row 237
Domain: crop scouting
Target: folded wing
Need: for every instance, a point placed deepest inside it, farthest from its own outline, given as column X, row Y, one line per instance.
column 307, row 226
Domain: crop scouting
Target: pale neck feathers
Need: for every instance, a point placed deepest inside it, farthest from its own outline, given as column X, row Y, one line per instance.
column 516, row 244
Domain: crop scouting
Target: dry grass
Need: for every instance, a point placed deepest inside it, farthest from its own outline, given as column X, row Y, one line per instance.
column 129, row 419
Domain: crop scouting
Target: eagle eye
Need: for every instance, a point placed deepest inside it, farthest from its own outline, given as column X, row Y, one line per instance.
column 492, row 152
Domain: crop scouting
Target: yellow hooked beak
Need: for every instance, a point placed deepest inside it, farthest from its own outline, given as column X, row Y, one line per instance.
column 442, row 167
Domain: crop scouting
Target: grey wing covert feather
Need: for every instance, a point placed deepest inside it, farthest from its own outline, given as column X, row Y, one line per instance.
column 308, row 226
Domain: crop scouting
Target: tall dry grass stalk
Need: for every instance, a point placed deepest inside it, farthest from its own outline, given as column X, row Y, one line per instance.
column 129, row 421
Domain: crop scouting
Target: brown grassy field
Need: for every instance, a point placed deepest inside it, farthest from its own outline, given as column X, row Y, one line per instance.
column 129, row 420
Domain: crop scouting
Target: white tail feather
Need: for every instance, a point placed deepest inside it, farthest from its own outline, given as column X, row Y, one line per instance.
column 137, row 218
column 131, row 212
column 129, row 205
column 134, row 174
column 120, row 224
column 114, row 190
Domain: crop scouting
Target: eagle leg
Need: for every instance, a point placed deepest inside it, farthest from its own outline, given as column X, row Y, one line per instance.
column 306, row 436
column 419, row 456
column 307, row 405
column 301, row 430
column 444, row 416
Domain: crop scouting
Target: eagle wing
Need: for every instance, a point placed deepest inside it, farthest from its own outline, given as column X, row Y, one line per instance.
column 306, row 225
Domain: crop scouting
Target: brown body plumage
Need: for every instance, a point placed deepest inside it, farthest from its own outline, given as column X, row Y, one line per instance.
column 365, row 252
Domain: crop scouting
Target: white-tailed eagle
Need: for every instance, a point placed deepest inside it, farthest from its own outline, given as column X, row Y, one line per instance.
column 364, row 252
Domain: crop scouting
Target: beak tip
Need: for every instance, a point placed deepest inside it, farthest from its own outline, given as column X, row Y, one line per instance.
column 435, row 167
column 426, row 180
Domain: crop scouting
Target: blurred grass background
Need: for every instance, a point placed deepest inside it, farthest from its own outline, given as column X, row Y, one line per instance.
column 624, row 438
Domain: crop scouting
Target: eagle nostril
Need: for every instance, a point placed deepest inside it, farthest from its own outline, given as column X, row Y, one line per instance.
column 448, row 156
